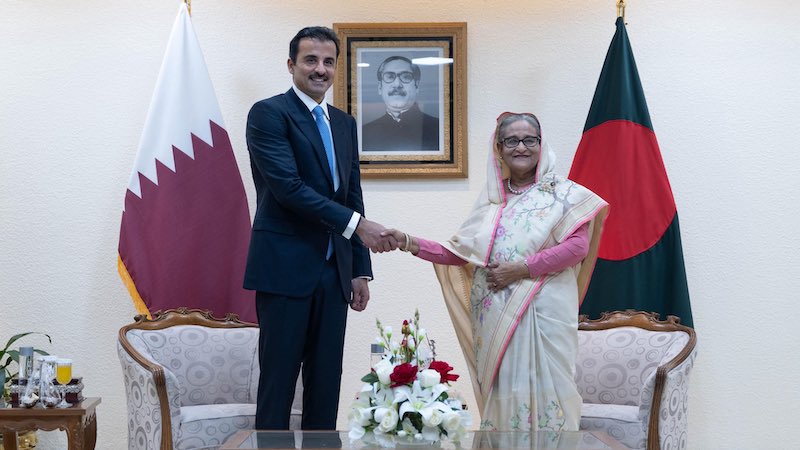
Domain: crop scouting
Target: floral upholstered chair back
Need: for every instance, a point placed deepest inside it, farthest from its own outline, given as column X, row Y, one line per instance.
column 212, row 365
column 615, row 364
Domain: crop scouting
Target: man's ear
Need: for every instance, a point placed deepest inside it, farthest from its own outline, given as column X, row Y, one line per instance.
column 290, row 65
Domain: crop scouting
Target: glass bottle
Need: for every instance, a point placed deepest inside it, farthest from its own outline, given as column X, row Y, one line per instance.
column 25, row 364
column 47, row 391
column 375, row 354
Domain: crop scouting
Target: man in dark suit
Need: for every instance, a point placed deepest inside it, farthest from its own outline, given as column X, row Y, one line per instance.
column 404, row 127
column 308, row 253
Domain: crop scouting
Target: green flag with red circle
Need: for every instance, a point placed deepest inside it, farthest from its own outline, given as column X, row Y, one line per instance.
column 640, row 259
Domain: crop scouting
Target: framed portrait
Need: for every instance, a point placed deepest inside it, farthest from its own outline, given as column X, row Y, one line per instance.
column 406, row 86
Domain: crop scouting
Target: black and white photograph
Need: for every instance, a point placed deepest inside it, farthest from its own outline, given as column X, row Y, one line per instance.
column 400, row 100
column 405, row 84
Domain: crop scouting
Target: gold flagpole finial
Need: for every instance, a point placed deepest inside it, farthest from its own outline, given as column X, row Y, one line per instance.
column 621, row 9
column 189, row 5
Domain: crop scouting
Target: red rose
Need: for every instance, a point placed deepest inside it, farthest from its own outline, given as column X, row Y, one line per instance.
column 444, row 371
column 403, row 374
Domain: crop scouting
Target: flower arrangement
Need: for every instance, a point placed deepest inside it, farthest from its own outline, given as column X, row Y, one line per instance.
column 407, row 393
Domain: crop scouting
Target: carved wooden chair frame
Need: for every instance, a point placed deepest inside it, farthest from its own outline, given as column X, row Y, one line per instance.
column 647, row 321
column 166, row 319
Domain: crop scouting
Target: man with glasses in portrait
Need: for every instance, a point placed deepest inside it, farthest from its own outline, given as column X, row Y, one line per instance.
column 404, row 127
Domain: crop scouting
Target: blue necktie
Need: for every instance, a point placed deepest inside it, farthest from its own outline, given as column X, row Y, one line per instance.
column 325, row 134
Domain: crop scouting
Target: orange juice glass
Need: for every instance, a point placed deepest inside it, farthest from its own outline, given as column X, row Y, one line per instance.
column 64, row 371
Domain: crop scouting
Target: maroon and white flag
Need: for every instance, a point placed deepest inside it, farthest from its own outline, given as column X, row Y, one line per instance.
column 186, row 224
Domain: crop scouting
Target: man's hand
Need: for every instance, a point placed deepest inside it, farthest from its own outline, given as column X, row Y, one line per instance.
column 360, row 294
column 370, row 234
column 500, row 275
column 404, row 241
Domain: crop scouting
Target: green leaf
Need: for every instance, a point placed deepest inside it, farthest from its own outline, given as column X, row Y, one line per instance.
column 6, row 355
column 371, row 377
column 415, row 418
column 16, row 337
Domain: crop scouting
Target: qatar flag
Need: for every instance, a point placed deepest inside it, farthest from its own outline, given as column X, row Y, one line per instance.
column 640, row 258
column 185, row 225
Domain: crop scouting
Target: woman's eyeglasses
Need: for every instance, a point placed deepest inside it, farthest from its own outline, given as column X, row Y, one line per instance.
column 528, row 142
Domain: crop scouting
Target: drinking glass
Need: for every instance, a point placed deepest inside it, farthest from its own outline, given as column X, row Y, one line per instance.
column 63, row 376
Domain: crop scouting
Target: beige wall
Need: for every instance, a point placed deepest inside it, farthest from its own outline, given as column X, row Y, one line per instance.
column 77, row 79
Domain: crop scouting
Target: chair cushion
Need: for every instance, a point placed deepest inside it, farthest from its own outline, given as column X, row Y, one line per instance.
column 630, row 434
column 205, row 412
column 212, row 432
column 623, row 413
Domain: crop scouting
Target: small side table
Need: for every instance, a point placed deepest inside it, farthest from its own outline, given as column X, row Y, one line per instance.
column 79, row 421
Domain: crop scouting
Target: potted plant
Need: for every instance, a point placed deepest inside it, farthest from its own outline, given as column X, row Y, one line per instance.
column 7, row 356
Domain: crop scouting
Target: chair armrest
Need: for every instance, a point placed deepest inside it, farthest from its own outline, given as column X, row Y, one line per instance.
column 665, row 398
column 673, row 419
column 153, row 399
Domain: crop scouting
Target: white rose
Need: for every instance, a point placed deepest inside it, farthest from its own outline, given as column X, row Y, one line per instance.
column 384, row 369
column 356, row 432
column 451, row 421
column 387, row 419
column 360, row 416
column 431, row 417
column 429, row 378
column 408, row 428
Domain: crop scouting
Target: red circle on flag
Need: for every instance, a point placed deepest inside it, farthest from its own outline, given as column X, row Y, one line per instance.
column 620, row 161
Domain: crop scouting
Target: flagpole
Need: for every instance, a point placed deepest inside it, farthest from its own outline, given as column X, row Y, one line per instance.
column 189, row 5
column 620, row 9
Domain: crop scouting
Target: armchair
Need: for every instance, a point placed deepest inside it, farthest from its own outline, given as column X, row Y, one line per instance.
column 190, row 379
column 632, row 371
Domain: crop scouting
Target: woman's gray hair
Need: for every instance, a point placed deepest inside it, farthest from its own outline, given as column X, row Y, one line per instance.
column 507, row 119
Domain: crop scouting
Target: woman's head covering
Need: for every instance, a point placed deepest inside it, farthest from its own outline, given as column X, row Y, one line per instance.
column 474, row 239
column 496, row 169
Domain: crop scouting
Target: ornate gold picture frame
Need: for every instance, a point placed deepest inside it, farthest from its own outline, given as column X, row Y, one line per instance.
column 406, row 85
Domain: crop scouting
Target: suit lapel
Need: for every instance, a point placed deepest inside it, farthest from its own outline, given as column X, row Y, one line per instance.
column 342, row 144
column 305, row 122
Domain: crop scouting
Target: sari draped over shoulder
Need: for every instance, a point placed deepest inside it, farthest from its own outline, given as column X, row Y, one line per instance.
column 520, row 343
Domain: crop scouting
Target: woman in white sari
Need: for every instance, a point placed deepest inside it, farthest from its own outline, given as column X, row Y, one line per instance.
column 512, row 277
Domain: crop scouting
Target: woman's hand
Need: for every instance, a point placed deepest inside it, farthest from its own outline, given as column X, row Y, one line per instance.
column 397, row 235
column 500, row 275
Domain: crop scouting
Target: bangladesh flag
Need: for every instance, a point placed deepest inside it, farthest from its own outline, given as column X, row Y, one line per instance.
column 640, row 259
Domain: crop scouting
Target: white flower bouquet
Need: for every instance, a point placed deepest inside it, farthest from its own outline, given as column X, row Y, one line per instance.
column 407, row 394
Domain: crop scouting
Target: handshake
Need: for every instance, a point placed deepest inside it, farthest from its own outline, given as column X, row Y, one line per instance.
column 380, row 239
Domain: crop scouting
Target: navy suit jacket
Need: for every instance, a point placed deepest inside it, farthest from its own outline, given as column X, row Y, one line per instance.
column 297, row 209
